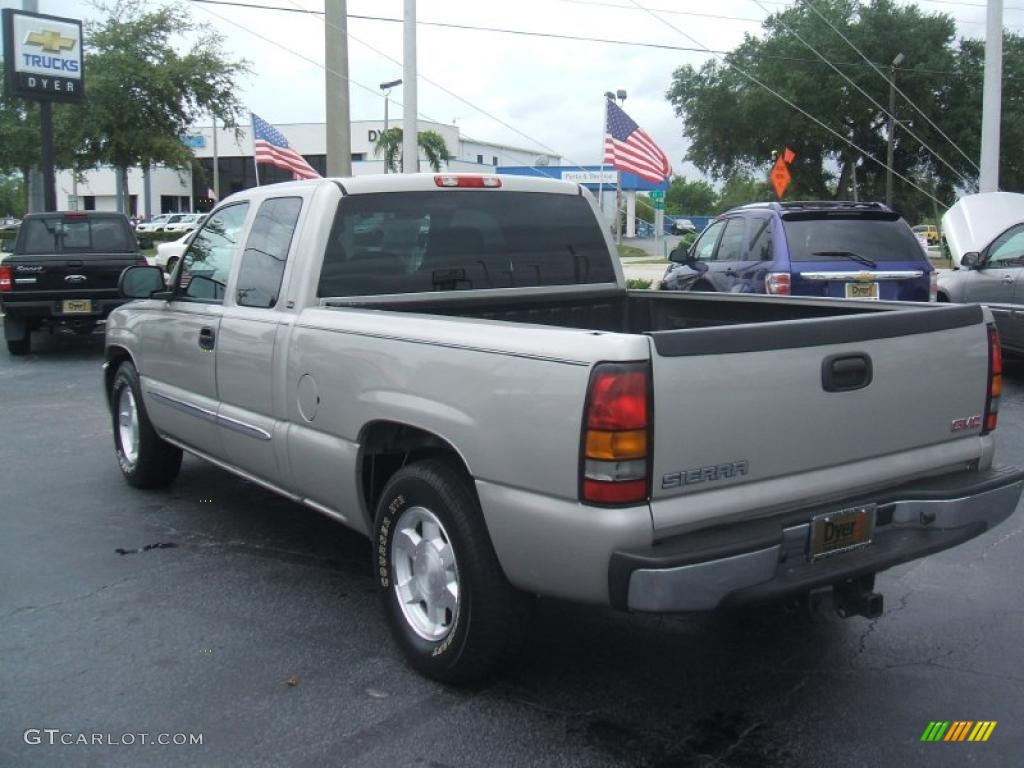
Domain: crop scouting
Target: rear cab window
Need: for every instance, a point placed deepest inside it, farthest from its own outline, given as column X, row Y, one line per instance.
column 76, row 235
column 418, row 242
column 875, row 236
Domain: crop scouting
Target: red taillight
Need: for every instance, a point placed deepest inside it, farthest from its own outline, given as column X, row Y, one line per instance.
column 75, row 214
column 778, row 283
column 476, row 182
column 616, row 435
column 6, row 280
column 995, row 380
column 933, row 286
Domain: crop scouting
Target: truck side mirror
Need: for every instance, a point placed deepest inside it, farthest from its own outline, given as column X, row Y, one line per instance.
column 971, row 260
column 140, row 282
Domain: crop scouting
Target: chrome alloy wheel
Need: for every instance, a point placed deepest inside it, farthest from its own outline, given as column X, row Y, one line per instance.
column 128, row 424
column 426, row 576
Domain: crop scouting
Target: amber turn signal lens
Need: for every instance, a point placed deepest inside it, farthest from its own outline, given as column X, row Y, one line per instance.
column 616, row 446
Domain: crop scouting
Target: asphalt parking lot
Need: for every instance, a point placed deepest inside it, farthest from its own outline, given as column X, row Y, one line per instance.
column 254, row 624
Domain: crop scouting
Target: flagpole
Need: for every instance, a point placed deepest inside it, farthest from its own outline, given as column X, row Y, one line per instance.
column 618, row 199
column 600, row 176
column 255, row 165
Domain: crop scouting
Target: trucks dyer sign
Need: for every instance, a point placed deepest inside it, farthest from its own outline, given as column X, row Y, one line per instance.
column 43, row 55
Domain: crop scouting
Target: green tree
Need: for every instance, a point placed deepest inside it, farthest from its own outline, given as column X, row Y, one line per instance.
column 733, row 124
column 12, row 196
column 389, row 144
column 142, row 94
column 695, row 198
column 740, row 190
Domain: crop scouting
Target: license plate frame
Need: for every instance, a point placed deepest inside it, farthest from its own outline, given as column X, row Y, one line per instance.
column 77, row 306
column 862, row 291
column 844, row 530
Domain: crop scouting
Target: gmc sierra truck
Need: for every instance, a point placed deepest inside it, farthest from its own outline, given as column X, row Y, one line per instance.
column 453, row 366
column 63, row 273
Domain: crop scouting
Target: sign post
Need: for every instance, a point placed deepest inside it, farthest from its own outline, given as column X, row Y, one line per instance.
column 44, row 62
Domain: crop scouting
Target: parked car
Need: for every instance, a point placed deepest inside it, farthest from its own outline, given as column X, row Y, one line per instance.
column 153, row 225
column 985, row 234
column 182, row 222
column 839, row 249
column 169, row 254
column 345, row 345
column 929, row 231
column 7, row 243
column 63, row 273
column 683, row 227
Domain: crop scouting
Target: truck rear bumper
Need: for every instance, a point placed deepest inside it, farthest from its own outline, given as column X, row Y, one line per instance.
column 765, row 559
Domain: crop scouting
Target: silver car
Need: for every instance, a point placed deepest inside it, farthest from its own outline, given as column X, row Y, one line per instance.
column 986, row 238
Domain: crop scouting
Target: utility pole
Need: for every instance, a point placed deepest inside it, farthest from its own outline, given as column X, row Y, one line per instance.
column 410, row 145
column 892, row 127
column 992, row 95
column 216, row 164
column 339, row 125
column 36, row 201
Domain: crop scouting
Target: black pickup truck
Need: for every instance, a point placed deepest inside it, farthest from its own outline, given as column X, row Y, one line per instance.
column 63, row 272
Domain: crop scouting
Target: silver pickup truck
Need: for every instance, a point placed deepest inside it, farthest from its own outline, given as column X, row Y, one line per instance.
column 453, row 366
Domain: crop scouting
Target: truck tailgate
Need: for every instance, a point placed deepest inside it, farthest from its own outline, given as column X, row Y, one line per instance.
column 45, row 275
column 748, row 419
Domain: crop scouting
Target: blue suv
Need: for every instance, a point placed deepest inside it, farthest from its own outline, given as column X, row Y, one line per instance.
column 838, row 249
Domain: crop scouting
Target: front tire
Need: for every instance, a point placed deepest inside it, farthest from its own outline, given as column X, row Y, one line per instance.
column 171, row 264
column 446, row 600
column 146, row 460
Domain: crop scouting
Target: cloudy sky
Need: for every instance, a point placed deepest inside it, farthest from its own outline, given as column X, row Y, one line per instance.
column 543, row 93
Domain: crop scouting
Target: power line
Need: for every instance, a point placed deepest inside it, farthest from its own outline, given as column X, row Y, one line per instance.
column 795, row 106
column 892, row 84
column 574, row 38
column 367, row 88
column 468, row 103
column 870, row 98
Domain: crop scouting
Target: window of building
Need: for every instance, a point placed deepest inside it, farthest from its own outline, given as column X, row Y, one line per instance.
column 266, row 252
column 480, row 159
column 88, row 202
column 494, row 160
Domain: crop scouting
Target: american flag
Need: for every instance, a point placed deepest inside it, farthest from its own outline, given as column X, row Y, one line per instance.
column 627, row 147
column 271, row 147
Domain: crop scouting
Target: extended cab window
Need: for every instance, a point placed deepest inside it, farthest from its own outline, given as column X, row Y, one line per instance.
column 266, row 252
column 413, row 242
column 77, row 234
column 207, row 263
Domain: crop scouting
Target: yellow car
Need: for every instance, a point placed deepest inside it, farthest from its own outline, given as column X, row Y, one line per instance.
column 930, row 231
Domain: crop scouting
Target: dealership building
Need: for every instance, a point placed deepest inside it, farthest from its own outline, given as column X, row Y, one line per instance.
column 163, row 190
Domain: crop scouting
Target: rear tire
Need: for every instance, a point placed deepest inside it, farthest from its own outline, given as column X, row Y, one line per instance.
column 20, row 347
column 446, row 600
column 146, row 460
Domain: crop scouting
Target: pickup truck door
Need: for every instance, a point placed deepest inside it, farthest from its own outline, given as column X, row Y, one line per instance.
column 178, row 340
column 252, row 333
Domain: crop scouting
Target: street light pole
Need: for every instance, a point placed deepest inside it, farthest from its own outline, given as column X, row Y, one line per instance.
column 386, row 88
column 892, row 127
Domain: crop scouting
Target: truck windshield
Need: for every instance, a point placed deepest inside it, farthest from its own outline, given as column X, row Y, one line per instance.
column 78, row 235
column 414, row 242
column 831, row 238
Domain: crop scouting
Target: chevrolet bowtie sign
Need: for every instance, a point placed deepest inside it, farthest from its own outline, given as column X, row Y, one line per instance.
column 43, row 55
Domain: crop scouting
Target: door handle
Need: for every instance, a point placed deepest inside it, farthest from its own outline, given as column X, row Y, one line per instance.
column 207, row 338
column 845, row 373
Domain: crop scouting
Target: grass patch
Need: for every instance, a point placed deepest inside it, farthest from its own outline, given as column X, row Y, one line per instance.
column 631, row 252
column 638, row 283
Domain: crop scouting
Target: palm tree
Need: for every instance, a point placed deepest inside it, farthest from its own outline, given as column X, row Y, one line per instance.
column 389, row 144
